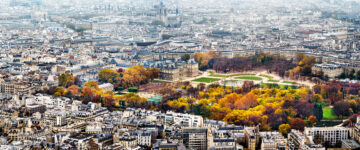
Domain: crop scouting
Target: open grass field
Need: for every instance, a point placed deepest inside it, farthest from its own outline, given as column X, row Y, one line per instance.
column 274, row 80
column 267, row 76
column 288, row 82
column 231, row 75
column 206, row 80
column 274, row 85
column 328, row 114
column 243, row 74
column 219, row 75
column 249, row 78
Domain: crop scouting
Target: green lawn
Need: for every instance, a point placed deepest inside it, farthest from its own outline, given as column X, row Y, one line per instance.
column 328, row 114
column 275, row 85
column 249, row 78
column 274, row 80
column 219, row 75
column 231, row 75
column 243, row 74
column 206, row 80
column 267, row 76
column 288, row 82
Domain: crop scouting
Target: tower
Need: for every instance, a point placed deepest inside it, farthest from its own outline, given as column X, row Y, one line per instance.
column 161, row 14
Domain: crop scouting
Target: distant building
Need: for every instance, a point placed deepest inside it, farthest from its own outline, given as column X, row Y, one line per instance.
column 333, row 135
column 174, row 72
column 331, row 70
column 350, row 144
column 252, row 137
column 185, row 120
column 197, row 138
column 224, row 144
column 356, row 130
column 272, row 141
column 298, row 140
column 15, row 88
column 166, row 19
column 126, row 140
column 162, row 144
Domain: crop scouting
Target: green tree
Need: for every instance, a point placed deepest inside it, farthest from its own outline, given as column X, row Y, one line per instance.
column 358, row 75
column 352, row 74
column 185, row 57
column 318, row 112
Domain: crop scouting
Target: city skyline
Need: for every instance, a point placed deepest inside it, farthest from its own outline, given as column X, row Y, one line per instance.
column 179, row 74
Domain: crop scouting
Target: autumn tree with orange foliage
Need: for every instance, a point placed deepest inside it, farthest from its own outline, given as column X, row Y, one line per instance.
column 312, row 119
column 74, row 90
column 108, row 99
column 247, row 101
column 230, row 100
column 91, row 92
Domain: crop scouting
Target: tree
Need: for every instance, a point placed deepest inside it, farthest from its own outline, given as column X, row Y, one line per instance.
column 134, row 90
column 352, row 74
column 300, row 56
column 106, row 74
column 86, row 92
column 135, row 75
column 185, row 57
column 229, row 101
column 284, row 129
column 204, row 58
column 316, row 98
column 247, row 86
column 318, row 112
column 59, row 91
column 74, row 90
column 152, row 73
column 341, row 108
column 358, row 75
column 297, row 123
column 247, row 101
column 180, row 105
column 66, row 80
column 92, row 85
column 317, row 88
column 312, row 119
column 108, row 98
column 133, row 100
column 354, row 105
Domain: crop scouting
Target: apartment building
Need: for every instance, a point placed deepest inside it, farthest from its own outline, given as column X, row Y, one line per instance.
column 252, row 137
column 185, row 120
column 333, row 135
column 197, row 138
